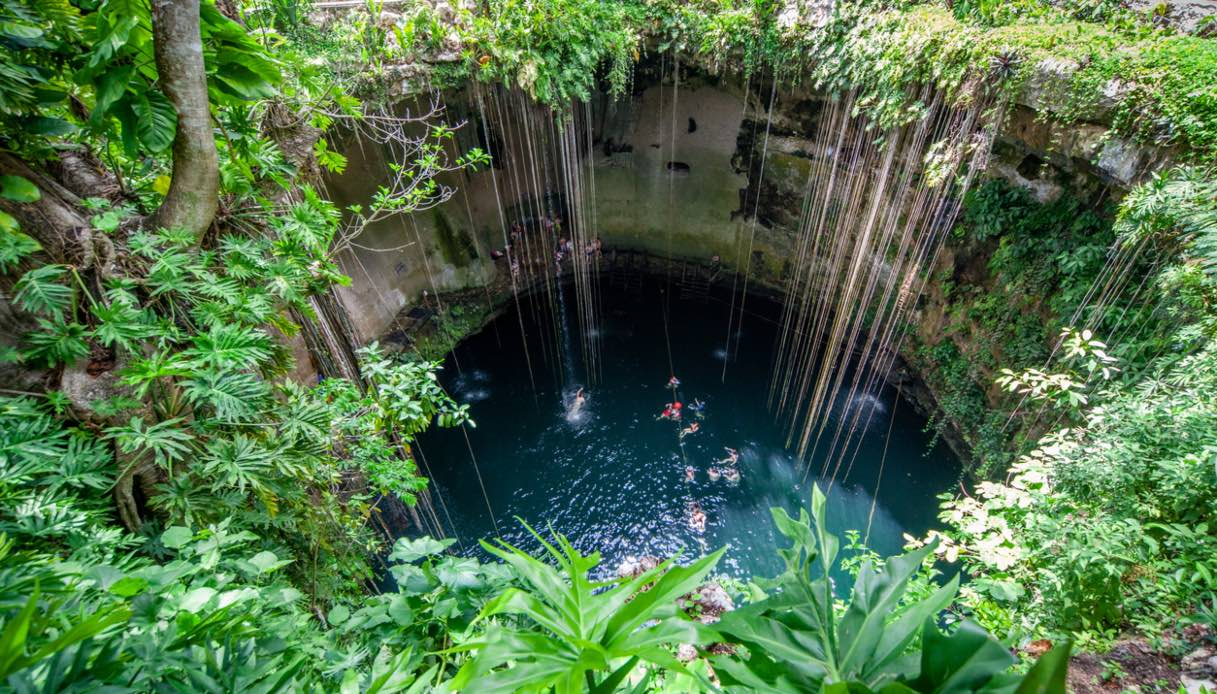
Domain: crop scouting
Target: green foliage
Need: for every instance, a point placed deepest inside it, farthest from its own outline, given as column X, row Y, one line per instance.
column 1067, row 388
column 798, row 640
column 1070, row 236
column 14, row 245
column 529, row 44
column 1180, row 208
column 576, row 627
column 1104, row 524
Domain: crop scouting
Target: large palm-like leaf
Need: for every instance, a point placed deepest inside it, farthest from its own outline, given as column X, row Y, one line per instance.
column 576, row 628
column 796, row 643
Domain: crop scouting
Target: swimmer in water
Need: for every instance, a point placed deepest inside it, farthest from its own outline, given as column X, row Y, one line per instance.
column 690, row 473
column 697, row 518
column 698, row 407
column 714, row 474
column 577, row 403
column 732, row 457
column 731, row 474
column 667, row 412
column 673, row 383
column 691, row 429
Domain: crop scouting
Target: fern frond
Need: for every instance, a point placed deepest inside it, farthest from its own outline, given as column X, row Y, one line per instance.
column 123, row 325
column 167, row 441
column 42, row 290
column 232, row 397
column 229, row 347
column 57, row 343
column 238, row 462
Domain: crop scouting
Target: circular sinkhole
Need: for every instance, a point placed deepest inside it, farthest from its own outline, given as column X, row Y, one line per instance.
column 612, row 476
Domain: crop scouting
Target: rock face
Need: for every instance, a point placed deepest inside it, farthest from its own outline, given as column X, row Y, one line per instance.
column 1199, row 671
column 1187, row 16
column 633, row 567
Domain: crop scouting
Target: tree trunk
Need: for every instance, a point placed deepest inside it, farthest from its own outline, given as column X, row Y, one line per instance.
column 194, row 189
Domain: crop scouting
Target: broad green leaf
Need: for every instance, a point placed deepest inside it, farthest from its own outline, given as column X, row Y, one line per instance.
column 338, row 615
column 409, row 550
column 876, row 595
column 963, row 661
column 266, row 562
column 110, row 87
column 194, row 600
column 672, row 584
column 18, row 189
column 156, row 122
column 8, row 224
column 128, row 586
column 176, row 537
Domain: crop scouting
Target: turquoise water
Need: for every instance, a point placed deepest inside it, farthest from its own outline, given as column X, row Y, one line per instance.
column 613, row 478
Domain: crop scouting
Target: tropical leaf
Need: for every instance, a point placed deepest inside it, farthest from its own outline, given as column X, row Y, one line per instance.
column 42, row 290
column 121, row 324
column 239, row 463
column 18, row 189
column 57, row 342
column 156, row 120
column 231, row 396
column 798, row 641
column 167, row 441
column 229, row 347
column 14, row 245
column 585, row 627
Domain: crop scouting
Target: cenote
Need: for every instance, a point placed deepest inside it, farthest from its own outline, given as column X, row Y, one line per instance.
column 612, row 477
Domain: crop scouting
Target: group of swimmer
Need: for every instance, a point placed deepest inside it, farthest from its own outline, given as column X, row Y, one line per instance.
column 726, row 469
column 591, row 249
column 673, row 411
column 723, row 468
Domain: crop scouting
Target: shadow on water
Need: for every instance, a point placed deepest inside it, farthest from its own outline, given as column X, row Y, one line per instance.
column 612, row 477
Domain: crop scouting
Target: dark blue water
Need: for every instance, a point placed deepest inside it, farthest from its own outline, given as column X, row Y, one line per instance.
column 612, row 478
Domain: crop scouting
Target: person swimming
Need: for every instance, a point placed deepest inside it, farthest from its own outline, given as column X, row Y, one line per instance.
column 673, row 383
column 690, row 473
column 671, row 411
column 731, row 475
column 698, row 407
column 714, row 473
column 732, row 457
column 697, row 518
column 691, row 429
column 577, row 403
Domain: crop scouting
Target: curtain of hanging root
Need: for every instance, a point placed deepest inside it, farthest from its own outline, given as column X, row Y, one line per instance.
column 876, row 208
